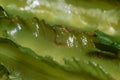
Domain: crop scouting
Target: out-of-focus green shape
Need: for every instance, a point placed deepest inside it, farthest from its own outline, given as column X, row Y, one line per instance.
column 23, row 64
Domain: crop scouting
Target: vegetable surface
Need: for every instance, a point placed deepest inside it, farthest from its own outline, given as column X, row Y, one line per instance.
column 73, row 51
column 88, row 14
column 23, row 64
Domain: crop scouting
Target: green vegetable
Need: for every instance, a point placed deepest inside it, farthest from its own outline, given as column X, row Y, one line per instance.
column 72, row 42
column 87, row 15
column 23, row 64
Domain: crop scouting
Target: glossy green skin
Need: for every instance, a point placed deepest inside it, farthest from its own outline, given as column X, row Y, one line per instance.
column 34, row 37
column 23, row 64
column 53, row 41
column 56, row 41
column 87, row 15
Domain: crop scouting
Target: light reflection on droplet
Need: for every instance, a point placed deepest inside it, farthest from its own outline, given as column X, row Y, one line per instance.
column 84, row 40
column 36, row 33
column 34, row 3
column 111, row 29
column 19, row 26
column 31, row 4
column 68, row 9
column 15, row 30
column 70, row 41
